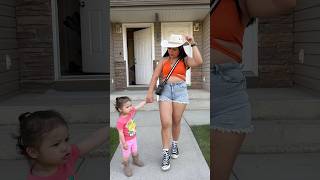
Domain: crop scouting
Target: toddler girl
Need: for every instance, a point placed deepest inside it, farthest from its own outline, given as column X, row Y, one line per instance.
column 127, row 132
column 44, row 139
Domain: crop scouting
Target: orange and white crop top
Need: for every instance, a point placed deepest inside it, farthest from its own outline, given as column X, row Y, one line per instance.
column 179, row 71
column 225, row 24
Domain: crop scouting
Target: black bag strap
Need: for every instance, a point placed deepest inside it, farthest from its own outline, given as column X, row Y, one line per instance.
column 173, row 67
column 213, row 5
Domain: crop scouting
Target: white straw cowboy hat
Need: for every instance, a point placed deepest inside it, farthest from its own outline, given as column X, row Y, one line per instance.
column 174, row 40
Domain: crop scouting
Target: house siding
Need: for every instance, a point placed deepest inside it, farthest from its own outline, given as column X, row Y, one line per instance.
column 196, row 72
column 116, row 55
column 275, row 51
column 9, row 75
column 34, row 36
column 206, row 53
column 111, row 62
column 127, row 3
column 307, row 40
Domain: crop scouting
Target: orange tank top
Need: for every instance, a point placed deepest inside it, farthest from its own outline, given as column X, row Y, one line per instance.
column 225, row 24
column 179, row 71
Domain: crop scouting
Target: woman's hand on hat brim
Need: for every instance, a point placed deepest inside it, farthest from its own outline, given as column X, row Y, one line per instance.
column 189, row 39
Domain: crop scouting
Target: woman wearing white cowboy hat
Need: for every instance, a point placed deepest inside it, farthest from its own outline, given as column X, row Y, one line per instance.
column 174, row 98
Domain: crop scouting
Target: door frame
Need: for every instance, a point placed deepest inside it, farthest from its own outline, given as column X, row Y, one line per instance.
column 252, row 51
column 56, row 50
column 125, row 26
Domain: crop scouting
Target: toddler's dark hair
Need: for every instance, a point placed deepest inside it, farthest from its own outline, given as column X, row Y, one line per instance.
column 32, row 126
column 120, row 101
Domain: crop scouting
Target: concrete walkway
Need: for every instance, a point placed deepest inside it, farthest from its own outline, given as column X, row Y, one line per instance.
column 190, row 164
column 282, row 166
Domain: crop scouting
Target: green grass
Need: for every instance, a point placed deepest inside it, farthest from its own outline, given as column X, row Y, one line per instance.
column 113, row 141
column 202, row 135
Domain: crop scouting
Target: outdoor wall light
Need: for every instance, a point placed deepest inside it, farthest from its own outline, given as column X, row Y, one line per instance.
column 196, row 26
column 118, row 28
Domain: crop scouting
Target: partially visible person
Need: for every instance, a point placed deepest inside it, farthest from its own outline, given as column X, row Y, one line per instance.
column 230, row 113
column 44, row 139
column 174, row 98
column 126, row 126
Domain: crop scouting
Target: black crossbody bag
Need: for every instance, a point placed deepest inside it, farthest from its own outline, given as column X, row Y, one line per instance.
column 163, row 83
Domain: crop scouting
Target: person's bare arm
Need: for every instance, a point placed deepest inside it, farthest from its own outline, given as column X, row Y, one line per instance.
column 122, row 140
column 140, row 105
column 196, row 60
column 265, row 8
column 93, row 141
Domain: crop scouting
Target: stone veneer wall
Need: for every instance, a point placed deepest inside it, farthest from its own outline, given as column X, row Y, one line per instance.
column 9, row 59
column 34, row 36
column 276, row 53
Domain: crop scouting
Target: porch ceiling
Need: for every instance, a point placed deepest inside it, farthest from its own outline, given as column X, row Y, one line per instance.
column 165, row 14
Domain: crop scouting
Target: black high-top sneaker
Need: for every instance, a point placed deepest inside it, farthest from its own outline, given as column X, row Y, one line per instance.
column 174, row 150
column 165, row 160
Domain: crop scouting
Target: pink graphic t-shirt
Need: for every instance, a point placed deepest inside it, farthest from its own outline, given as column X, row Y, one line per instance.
column 65, row 172
column 127, row 125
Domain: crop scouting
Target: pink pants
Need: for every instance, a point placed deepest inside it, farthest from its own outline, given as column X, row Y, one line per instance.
column 132, row 148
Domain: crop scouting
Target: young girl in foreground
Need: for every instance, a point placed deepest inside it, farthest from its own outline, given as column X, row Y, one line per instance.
column 127, row 132
column 44, row 140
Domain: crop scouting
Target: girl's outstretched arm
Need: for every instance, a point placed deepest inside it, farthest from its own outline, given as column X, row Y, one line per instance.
column 94, row 140
column 140, row 105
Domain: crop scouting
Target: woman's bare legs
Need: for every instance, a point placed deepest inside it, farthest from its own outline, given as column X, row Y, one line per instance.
column 166, row 122
column 224, row 150
column 178, row 109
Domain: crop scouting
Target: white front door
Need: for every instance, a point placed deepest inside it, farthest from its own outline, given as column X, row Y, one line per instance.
column 178, row 28
column 94, row 35
column 142, row 55
column 250, row 50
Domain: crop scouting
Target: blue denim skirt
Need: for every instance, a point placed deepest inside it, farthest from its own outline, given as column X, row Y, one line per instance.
column 230, row 107
column 175, row 92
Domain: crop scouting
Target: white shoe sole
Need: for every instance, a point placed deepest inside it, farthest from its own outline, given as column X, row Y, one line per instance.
column 165, row 168
column 174, row 156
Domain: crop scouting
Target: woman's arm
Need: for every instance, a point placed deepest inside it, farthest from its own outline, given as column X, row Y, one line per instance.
column 264, row 8
column 93, row 141
column 196, row 60
column 153, row 82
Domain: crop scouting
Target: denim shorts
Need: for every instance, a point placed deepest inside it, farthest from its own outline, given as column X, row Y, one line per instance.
column 230, row 107
column 175, row 92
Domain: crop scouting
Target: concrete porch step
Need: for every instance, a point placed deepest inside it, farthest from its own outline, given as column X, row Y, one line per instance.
column 199, row 99
column 284, row 103
column 285, row 120
column 195, row 104
column 76, row 107
column 279, row 136
column 139, row 95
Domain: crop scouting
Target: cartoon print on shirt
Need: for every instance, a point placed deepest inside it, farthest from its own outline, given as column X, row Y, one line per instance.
column 131, row 125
